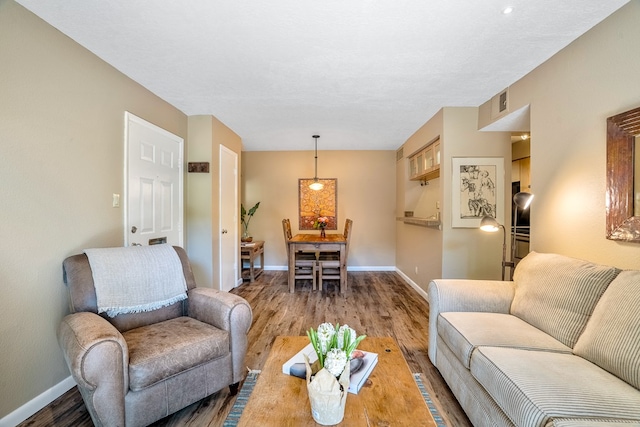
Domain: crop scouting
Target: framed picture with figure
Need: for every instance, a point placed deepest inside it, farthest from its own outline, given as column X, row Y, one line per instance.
column 478, row 190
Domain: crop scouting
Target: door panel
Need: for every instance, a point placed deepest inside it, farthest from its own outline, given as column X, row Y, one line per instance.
column 146, row 207
column 154, row 184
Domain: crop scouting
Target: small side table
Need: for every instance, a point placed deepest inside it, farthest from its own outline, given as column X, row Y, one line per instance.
column 249, row 252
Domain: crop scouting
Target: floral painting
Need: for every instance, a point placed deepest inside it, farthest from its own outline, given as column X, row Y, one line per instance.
column 313, row 204
column 478, row 190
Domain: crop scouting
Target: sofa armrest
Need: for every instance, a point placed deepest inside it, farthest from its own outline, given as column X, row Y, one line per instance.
column 447, row 295
column 98, row 358
column 228, row 312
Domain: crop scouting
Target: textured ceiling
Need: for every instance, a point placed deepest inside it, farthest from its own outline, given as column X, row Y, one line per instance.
column 361, row 74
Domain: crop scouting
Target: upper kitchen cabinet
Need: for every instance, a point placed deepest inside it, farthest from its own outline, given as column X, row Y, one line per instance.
column 424, row 164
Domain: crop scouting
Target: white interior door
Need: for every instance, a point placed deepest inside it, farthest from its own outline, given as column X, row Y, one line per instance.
column 153, row 184
column 228, row 218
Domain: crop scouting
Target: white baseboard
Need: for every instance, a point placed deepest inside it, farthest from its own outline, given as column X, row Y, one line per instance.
column 37, row 403
column 276, row 267
column 414, row 285
column 373, row 268
column 406, row 278
column 349, row 268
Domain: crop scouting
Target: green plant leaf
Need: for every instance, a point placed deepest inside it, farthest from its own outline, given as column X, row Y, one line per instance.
column 245, row 217
column 254, row 209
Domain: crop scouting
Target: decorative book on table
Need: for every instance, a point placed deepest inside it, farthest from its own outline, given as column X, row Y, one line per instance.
column 360, row 367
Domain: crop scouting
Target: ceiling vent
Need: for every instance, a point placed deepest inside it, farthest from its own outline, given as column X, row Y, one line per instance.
column 500, row 104
column 400, row 154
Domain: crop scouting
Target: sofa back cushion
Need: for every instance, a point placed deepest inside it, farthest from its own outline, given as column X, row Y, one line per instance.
column 611, row 338
column 557, row 294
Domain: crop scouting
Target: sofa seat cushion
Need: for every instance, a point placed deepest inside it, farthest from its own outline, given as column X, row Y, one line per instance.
column 557, row 294
column 158, row 351
column 464, row 331
column 534, row 387
column 611, row 339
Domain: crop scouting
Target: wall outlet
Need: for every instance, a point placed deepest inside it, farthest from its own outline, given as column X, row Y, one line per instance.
column 416, row 270
column 438, row 204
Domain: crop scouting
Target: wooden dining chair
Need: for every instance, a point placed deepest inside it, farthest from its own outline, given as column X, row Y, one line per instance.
column 305, row 262
column 329, row 262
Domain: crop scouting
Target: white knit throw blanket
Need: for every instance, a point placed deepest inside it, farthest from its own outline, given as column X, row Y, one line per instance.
column 134, row 279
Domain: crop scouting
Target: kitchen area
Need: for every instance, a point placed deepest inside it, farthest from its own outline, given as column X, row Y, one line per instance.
column 520, row 181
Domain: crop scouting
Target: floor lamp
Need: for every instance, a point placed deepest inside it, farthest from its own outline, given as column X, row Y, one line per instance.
column 522, row 200
column 490, row 224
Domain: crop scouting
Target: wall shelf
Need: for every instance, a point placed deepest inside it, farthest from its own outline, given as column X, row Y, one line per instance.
column 423, row 222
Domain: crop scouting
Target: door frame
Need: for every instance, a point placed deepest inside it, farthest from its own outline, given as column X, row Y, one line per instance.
column 233, row 230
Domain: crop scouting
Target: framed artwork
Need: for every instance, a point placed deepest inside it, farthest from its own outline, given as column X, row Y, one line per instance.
column 316, row 203
column 478, row 190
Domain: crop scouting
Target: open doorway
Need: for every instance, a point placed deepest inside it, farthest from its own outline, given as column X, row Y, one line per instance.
column 520, row 181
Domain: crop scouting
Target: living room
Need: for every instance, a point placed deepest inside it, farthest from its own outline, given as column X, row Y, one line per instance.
column 62, row 115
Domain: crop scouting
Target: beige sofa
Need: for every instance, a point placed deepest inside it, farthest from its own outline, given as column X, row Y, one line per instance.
column 558, row 346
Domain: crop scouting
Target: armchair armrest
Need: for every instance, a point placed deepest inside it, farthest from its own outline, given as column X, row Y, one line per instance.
column 97, row 356
column 447, row 295
column 228, row 312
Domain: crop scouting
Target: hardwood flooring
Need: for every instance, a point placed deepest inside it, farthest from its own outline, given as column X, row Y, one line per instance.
column 376, row 304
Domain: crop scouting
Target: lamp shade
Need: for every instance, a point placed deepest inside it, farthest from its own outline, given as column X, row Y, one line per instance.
column 316, row 185
column 489, row 223
column 523, row 199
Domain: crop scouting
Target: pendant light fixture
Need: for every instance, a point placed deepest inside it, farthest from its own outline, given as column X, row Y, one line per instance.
column 316, row 185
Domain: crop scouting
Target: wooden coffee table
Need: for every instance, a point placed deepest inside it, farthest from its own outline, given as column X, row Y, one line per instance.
column 390, row 398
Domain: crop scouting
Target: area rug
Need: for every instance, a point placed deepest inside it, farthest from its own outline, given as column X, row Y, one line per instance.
column 250, row 381
column 427, row 399
column 241, row 401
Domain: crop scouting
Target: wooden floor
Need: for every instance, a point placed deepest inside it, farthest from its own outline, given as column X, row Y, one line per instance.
column 376, row 304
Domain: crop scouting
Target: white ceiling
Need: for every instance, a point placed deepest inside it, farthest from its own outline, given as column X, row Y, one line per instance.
column 361, row 74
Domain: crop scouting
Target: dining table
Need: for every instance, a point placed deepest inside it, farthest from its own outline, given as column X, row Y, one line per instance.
column 333, row 242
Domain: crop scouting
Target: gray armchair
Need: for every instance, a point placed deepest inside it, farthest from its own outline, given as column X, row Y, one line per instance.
column 136, row 368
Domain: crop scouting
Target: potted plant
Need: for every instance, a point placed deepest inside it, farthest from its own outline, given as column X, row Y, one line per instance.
column 335, row 347
column 245, row 218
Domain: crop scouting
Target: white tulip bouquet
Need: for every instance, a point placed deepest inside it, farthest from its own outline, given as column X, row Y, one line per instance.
column 334, row 346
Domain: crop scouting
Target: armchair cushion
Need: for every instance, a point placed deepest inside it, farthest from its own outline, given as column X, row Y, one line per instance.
column 158, row 351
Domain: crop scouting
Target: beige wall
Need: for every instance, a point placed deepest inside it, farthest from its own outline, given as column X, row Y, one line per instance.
column 469, row 252
column 419, row 249
column 61, row 133
column 206, row 135
column 366, row 194
column 571, row 96
column 448, row 252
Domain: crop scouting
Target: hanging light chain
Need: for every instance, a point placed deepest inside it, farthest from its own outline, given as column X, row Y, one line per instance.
column 316, row 185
